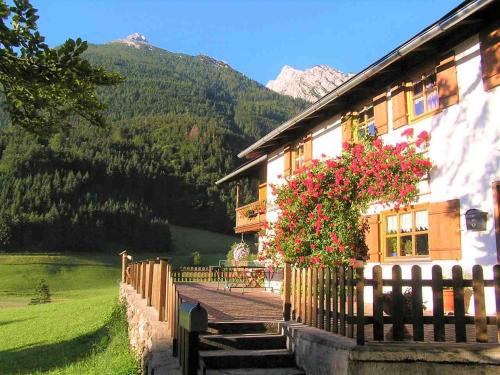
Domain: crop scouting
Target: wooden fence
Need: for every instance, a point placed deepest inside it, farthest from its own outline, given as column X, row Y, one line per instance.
column 196, row 274
column 332, row 299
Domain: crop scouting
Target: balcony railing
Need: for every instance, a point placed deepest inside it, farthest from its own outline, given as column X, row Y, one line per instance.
column 251, row 217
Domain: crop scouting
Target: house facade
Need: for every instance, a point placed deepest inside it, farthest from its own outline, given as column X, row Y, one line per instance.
column 445, row 81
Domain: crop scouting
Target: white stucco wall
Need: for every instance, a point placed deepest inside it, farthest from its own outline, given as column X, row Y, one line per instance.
column 465, row 150
column 275, row 168
column 327, row 139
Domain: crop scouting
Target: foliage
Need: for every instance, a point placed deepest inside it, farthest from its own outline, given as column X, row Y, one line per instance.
column 176, row 126
column 44, row 88
column 387, row 301
column 321, row 208
column 42, row 293
column 196, row 258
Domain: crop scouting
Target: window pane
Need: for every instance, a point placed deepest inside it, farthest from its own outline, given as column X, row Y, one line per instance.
column 392, row 224
column 422, row 244
column 391, row 245
column 372, row 131
column 432, row 100
column 405, row 223
column 406, row 245
column 418, row 107
column 421, row 221
column 418, row 88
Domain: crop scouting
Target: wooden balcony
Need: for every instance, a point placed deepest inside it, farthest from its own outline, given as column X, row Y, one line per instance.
column 251, row 217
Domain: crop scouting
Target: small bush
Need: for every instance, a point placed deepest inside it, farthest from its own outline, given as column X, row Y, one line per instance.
column 196, row 258
column 42, row 293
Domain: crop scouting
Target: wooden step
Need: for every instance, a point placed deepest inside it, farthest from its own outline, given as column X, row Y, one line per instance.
column 239, row 359
column 249, row 341
column 242, row 326
column 256, row 371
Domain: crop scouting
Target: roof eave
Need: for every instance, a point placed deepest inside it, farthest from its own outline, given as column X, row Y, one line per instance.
column 424, row 36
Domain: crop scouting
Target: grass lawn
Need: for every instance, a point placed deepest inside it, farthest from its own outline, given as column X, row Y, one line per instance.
column 83, row 330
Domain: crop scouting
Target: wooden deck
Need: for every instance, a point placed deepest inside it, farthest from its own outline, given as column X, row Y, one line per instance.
column 254, row 304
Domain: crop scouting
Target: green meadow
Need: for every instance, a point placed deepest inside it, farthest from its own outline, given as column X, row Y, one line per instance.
column 83, row 330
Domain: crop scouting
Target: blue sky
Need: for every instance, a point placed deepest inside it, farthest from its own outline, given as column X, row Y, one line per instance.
column 255, row 37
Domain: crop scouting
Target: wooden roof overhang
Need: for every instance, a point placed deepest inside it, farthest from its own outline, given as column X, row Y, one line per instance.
column 249, row 169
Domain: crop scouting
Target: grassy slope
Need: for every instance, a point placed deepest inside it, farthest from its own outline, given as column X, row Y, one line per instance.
column 212, row 246
column 81, row 331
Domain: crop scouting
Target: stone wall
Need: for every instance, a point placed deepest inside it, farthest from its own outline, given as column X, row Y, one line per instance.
column 149, row 338
column 322, row 353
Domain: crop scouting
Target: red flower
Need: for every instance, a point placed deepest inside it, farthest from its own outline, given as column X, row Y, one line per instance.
column 423, row 135
column 408, row 133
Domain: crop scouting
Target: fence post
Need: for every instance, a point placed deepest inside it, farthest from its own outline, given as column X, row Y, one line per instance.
column 378, row 304
column 479, row 304
column 124, row 265
column 437, row 303
column 150, row 282
column 342, row 297
column 350, row 302
column 458, row 304
column 398, row 328
column 328, row 300
column 143, row 280
column 360, row 306
column 321, row 300
column 417, row 304
column 162, row 290
column 287, row 288
column 314, row 287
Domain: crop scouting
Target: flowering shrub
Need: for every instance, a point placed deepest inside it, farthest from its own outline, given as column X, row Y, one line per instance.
column 321, row 208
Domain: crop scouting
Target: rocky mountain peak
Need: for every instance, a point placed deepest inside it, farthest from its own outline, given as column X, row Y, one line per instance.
column 310, row 84
column 134, row 40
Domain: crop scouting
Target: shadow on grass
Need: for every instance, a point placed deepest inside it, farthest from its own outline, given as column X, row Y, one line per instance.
column 6, row 322
column 38, row 356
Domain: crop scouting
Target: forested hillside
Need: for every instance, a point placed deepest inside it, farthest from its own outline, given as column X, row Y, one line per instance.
column 176, row 124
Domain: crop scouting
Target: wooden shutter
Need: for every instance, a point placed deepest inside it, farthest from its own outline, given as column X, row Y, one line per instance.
column 490, row 56
column 444, row 230
column 308, row 150
column 347, row 128
column 287, row 157
column 399, row 106
column 446, row 78
column 262, row 192
column 373, row 238
column 380, row 113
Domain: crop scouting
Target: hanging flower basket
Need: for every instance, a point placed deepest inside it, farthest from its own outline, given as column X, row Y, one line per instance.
column 242, row 250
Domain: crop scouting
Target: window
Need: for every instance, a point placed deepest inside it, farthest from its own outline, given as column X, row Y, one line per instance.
column 366, row 124
column 425, row 95
column 298, row 156
column 406, row 233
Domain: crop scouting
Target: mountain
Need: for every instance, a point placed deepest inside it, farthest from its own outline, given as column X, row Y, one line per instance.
column 310, row 84
column 176, row 124
column 135, row 40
